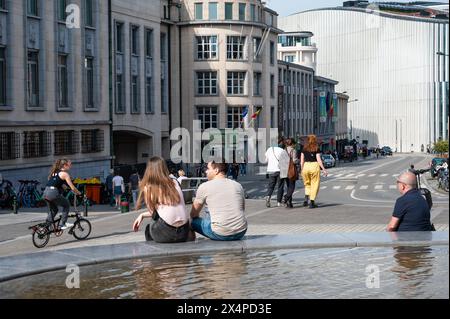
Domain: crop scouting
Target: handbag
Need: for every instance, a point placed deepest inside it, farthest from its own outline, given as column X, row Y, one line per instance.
column 292, row 170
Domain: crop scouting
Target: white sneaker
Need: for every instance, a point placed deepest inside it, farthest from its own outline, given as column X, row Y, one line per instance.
column 66, row 225
column 279, row 204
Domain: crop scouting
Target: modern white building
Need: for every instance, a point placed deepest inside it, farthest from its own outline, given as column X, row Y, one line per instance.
column 296, row 47
column 394, row 64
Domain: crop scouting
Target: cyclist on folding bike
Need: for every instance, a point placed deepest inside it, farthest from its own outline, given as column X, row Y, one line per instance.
column 58, row 179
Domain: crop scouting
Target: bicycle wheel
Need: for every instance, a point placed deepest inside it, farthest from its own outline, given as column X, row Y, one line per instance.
column 81, row 229
column 41, row 236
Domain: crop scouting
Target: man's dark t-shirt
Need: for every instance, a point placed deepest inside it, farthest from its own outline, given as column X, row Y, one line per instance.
column 413, row 211
column 109, row 179
column 134, row 180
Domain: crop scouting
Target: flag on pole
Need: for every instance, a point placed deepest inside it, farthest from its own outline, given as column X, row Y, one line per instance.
column 245, row 117
column 255, row 115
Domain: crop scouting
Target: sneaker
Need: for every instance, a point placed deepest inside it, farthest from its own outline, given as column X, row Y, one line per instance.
column 279, row 204
column 66, row 225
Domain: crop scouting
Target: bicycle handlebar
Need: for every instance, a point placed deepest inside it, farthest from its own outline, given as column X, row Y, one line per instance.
column 419, row 171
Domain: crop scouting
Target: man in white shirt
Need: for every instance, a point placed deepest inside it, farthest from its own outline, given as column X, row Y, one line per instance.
column 277, row 168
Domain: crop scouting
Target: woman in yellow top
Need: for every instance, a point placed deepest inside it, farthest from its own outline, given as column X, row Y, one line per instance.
column 311, row 163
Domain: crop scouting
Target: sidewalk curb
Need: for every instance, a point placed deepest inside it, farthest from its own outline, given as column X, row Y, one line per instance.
column 13, row 267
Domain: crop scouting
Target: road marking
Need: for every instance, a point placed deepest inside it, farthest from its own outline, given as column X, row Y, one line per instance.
column 337, row 187
column 372, row 175
column 360, row 175
column 392, row 186
column 349, row 175
column 323, row 187
column 352, row 195
column 338, row 175
column 378, row 186
column 364, row 187
column 383, row 175
column 387, row 163
column 350, row 187
column 395, row 175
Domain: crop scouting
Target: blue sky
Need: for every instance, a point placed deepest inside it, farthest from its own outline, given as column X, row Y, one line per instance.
column 287, row 7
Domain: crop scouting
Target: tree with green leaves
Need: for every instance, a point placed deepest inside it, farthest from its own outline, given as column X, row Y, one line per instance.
column 441, row 146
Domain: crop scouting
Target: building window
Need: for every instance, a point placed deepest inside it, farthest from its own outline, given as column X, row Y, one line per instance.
column 289, row 58
column 256, row 44
column 206, row 83
column 135, row 94
column 9, row 146
column 62, row 81
column 149, row 43
column 36, row 144
column 149, row 95
column 234, row 115
column 135, row 40
column 66, row 142
column 119, row 37
column 272, row 52
column 272, row 86
column 149, row 71
column 272, row 116
column 257, row 83
column 207, row 47
column 212, row 9
column 164, row 81
column 62, row 4
column 235, row 47
column 228, row 11
column 252, row 12
column 33, row 79
column 32, row 8
column 3, row 5
column 242, row 11
column 92, row 141
column 207, row 115
column 120, row 101
column 89, row 13
column 198, row 11
column 89, row 65
column 2, row 76
column 236, row 83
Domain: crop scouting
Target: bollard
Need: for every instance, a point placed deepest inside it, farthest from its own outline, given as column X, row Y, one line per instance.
column 124, row 207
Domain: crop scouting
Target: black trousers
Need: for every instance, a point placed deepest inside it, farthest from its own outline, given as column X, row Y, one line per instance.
column 273, row 179
column 290, row 189
column 159, row 231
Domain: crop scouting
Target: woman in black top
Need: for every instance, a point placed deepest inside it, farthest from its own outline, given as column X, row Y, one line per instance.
column 311, row 163
column 57, row 180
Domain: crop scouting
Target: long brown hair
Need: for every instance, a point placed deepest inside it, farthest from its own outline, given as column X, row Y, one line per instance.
column 57, row 166
column 156, row 187
column 311, row 144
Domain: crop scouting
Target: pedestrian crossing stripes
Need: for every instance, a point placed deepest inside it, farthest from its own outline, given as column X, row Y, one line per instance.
column 355, row 175
column 362, row 187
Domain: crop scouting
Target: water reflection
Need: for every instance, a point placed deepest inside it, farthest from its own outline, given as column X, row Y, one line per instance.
column 407, row 272
column 414, row 266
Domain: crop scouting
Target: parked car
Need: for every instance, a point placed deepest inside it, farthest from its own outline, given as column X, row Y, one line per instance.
column 386, row 150
column 437, row 161
column 328, row 160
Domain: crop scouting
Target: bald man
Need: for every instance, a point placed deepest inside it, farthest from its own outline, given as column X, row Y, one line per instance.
column 411, row 211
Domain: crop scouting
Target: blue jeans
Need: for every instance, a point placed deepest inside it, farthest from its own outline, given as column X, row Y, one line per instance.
column 203, row 227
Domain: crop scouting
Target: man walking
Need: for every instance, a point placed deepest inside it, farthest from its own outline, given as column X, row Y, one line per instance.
column 277, row 169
